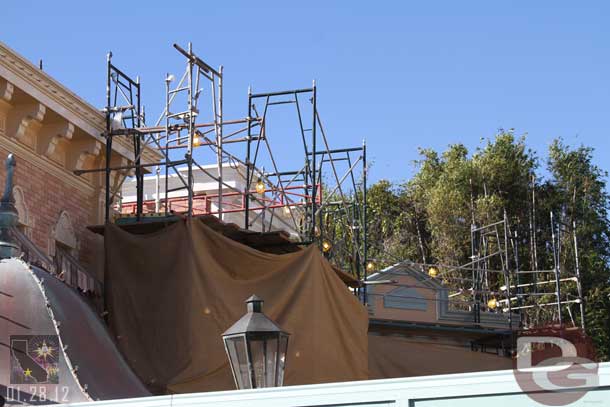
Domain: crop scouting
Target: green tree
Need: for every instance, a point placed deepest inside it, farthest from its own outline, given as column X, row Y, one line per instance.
column 428, row 219
column 578, row 194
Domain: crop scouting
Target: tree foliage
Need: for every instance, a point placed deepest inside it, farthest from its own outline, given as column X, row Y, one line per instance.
column 427, row 219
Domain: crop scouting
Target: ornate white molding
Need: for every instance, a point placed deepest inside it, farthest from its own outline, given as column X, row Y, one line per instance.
column 6, row 91
column 24, row 116
column 21, row 206
column 81, row 152
column 45, row 164
column 42, row 87
column 63, row 231
column 51, row 134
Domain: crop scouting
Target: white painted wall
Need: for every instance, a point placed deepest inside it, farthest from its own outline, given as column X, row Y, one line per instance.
column 234, row 176
column 488, row 389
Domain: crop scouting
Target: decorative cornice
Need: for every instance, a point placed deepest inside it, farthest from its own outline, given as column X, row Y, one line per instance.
column 51, row 87
column 23, row 116
column 6, row 91
column 41, row 86
column 46, row 165
column 51, row 134
column 83, row 150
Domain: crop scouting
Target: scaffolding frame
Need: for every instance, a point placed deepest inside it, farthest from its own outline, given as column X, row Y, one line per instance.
column 120, row 87
column 478, row 281
column 301, row 193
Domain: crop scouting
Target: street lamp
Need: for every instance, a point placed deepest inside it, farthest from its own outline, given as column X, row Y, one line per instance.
column 257, row 349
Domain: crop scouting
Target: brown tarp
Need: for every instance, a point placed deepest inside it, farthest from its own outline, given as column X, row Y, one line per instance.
column 395, row 356
column 171, row 294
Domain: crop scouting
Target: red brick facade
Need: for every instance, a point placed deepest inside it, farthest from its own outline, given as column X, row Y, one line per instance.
column 53, row 133
column 46, row 197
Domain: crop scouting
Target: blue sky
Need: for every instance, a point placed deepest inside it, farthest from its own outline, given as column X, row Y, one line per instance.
column 400, row 74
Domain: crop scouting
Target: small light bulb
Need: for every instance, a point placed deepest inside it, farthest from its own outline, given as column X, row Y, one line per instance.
column 326, row 246
column 370, row 266
column 492, row 303
column 260, row 186
column 433, row 272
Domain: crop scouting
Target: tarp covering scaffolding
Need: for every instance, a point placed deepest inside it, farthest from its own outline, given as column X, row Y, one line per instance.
column 322, row 186
column 171, row 294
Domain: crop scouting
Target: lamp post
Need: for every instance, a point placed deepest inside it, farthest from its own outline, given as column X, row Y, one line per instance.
column 257, row 348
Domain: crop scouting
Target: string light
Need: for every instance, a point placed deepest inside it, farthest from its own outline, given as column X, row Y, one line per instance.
column 492, row 303
column 370, row 266
column 260, row 186
column 326, row 246
column 433, row 272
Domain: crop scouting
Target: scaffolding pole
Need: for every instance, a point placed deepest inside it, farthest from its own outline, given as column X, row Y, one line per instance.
column 179, row 136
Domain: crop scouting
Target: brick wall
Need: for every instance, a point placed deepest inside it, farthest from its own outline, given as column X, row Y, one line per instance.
column 46, row 196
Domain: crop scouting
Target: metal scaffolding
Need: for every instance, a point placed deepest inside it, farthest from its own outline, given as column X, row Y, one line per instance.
column 326, row 188
column 493, row 281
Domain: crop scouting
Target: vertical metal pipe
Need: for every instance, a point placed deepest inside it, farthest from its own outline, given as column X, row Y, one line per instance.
column 108, row 140
column 314, row 171
column 248, row 171
column 506, row 273
column 189, row 153
column 138, row 154
column 305, row 232
column 556, row 269
column 157, row 182
column 530, row 229
column 517, row 269
column 535, row 233
column 219, row 143
column 578, row 278
column 167, row 113
column 364, row 220
column 476, row 308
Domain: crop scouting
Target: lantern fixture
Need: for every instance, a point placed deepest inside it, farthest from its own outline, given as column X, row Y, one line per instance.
column 196, row 141
column 370, row 266
column 257, row 349
column 492, row 303
column 326, row 246
column 433, row 272
column 260, row 186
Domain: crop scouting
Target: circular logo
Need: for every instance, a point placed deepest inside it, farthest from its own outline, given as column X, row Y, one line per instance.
column 551, row 369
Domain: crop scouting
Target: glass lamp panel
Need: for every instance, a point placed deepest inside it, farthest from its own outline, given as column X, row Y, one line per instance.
column 238, row 357
column 258, row 357
column 282, row 355
column 272, row 347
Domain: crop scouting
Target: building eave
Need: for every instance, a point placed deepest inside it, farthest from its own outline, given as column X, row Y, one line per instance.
column 47, row 90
